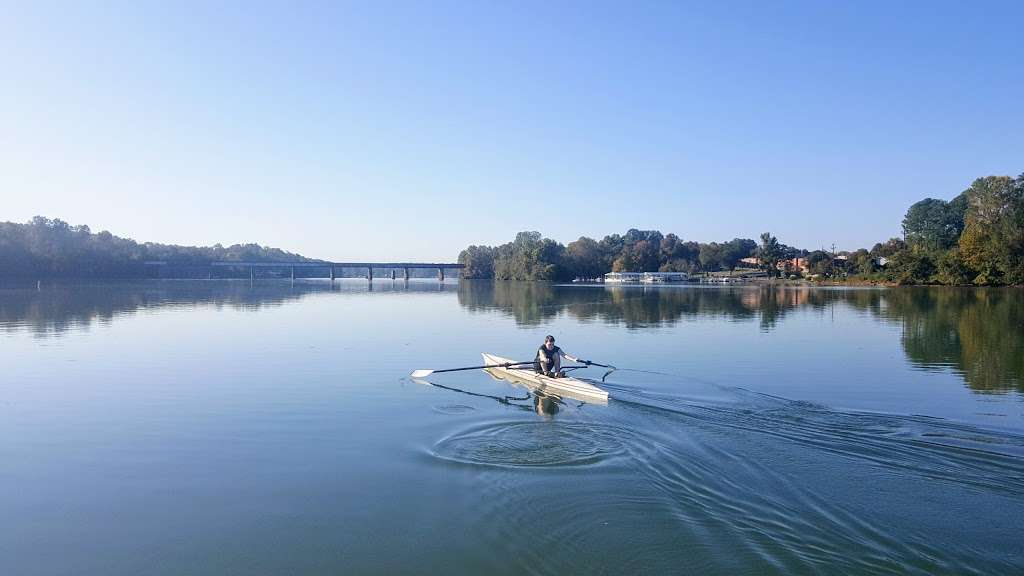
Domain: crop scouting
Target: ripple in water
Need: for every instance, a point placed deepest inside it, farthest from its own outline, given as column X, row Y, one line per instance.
column 533, row 444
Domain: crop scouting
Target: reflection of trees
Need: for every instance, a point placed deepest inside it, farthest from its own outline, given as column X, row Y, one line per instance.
column 532, row 303
column 978, row 331
column 54, row 310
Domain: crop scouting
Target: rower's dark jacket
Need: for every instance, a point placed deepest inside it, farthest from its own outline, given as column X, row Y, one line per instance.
column 544, row 355
column 553, row 356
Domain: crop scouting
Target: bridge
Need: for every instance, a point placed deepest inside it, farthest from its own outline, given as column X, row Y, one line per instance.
column 332, row 267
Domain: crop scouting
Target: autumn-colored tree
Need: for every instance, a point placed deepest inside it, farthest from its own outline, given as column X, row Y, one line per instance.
column 992, row 242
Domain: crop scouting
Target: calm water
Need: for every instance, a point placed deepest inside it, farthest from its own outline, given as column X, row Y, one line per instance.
column 222, row 428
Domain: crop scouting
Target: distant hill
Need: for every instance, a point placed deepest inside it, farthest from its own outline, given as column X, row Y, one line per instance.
column 45, row 248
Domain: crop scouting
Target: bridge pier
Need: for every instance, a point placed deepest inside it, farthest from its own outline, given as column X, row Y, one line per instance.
column 389, row 268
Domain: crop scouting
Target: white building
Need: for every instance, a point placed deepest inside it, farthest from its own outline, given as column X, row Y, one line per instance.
column 645, row 277
column 623, row 278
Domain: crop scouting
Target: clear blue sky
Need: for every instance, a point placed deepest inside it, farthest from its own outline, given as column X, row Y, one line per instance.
column 409, row 130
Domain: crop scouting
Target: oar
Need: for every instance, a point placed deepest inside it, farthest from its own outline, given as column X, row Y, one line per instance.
column 611, row 368
column 425, row 373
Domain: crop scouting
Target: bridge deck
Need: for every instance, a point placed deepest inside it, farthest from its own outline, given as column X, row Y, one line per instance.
column 338, row 265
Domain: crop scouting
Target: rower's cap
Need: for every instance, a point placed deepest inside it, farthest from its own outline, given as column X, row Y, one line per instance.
column 549, row 338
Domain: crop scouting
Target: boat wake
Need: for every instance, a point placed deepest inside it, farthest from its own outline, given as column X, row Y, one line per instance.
column 788, row 486
column 931, row 447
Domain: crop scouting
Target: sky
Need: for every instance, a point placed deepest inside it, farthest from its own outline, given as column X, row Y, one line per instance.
column 407, row 131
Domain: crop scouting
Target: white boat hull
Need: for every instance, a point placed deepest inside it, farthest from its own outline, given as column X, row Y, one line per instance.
column 566, row 387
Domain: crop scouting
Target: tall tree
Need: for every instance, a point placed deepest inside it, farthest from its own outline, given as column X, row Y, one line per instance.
column 735, row 250
column 584, row 258
column 478, row 262
column 611, row 246
column 710, row 256
column 530, row 257
column 934, row 224
column 769, row 253
column 993, row 240
column 669, row 245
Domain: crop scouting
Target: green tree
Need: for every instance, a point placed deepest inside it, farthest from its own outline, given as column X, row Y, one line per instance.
column 676, row 255
column 44, row 248
column 611, row 246
column 646, row 254
column 670, row 244
column 992, row 242
column 820, row 262
column 952, row 270
column 478, row 262
column 584, row 258
column 888, row 248
column 861, row 262
column 911, row 267
column 735, row 250
column 710, row 256
column 935, row 224
column 769, row 253
column 530, row 257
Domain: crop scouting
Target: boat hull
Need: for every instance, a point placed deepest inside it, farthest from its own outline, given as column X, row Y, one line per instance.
column 565, row 387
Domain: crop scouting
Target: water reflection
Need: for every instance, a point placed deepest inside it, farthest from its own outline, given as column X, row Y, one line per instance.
column 977, row 332
column 532, row 304
column 55, row 309
column 541, row 403
column 327, row 437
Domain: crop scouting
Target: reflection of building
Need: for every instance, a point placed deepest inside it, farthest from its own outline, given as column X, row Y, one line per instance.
column 645, row 277
column 779, row 298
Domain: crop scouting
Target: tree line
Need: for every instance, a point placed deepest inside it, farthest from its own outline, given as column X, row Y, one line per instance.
column 976, row 238
column 532, row 257
column 44, row 248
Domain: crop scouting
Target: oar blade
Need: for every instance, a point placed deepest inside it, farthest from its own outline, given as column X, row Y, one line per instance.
column 422, row 373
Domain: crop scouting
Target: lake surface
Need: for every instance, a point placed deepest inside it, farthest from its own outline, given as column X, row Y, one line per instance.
column 183, row 427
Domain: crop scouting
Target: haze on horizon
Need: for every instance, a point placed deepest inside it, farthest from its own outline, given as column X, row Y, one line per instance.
column 408, row 131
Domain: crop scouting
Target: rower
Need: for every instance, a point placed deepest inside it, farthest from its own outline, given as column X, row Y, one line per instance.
column 549, row 359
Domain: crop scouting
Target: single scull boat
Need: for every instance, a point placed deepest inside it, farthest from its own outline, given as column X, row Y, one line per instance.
column 565, row 386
